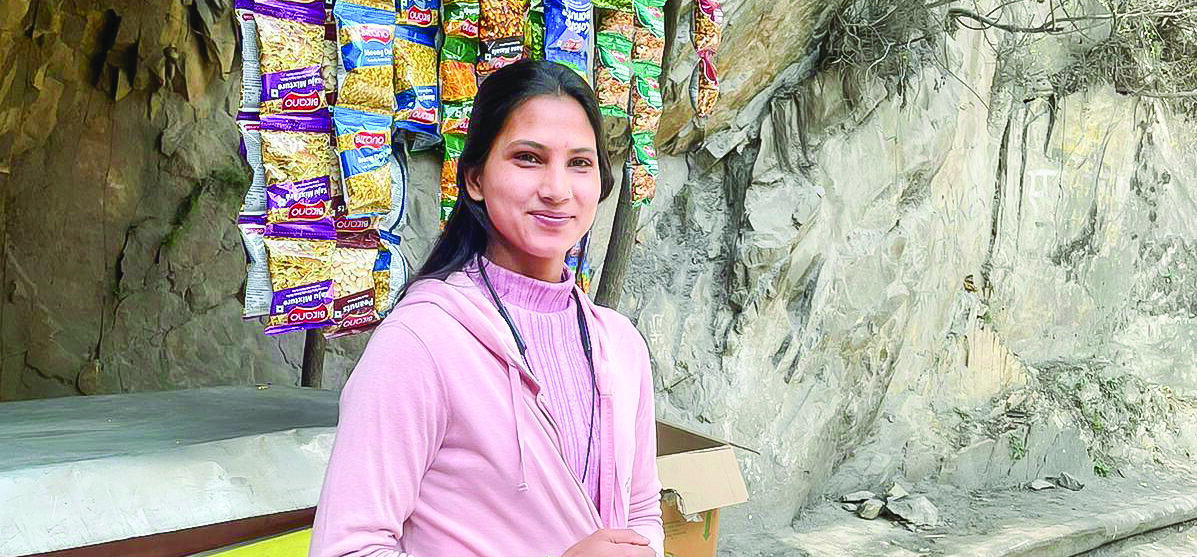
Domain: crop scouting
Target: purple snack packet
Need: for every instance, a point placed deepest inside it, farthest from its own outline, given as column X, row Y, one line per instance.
column 304, row 307
column 307, row 201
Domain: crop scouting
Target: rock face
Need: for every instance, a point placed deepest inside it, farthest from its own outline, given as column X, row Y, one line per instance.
column 950, row 273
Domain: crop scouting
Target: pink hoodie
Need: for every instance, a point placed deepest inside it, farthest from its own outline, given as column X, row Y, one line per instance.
column 445, row 447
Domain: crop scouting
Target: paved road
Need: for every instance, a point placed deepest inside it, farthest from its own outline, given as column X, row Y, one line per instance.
column 1172, row 541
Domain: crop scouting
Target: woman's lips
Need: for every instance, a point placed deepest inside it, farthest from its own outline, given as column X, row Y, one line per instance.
column 550, row 219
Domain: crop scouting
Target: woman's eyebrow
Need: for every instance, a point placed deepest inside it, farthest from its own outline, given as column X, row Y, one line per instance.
column 528, row 143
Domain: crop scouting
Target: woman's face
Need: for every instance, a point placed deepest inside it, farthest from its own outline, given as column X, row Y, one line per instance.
column 540, row 184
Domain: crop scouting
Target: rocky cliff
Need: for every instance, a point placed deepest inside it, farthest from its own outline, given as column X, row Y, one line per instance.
column 913, row 242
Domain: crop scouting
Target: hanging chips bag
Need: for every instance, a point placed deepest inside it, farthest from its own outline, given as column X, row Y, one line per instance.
column 567, row 34
column 251, row 142
column 353, row 282
column 251, row 70
column 417, row 13
column 704, row 85
column 449, row 190
column 457, row 118
column 394, row 219
column 366, row 72
column 613, row 74
column 534, row 31
column 498, row 53
column 706, row 31
column 461, row 19
column 649, row 42
column 578, row 262
column 417, row 95
column 500, row 19
column 390, row 273
column 364, row 146
column 458, row 81
column 257, row 274
column 300, row 266
column 646, row 97
column 622, row 23
column 642, row 171
column 291, row 51
column 297, row 158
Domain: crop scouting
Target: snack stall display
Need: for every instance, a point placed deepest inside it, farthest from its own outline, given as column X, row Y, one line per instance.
column 337, row 95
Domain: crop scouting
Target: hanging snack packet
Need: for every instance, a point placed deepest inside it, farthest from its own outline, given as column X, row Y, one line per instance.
column 704, row 85
column 295, row 150
column 366, row 38
column 251, row 142
column 417, row 13
column 567, row 34
column 300, row 264
column 416, row 92
column 364, row 146
column 621, row 23
column 449, row 190
column 458, row 82
column 390, row 273
column 251, row 71
column 395, row 218
column 613, row 74
column 257, row 274
column 346, row 224
column 291, row 50
column 650, row 31
column 303, row 201
column 643, row 178
column 457, row 118
column 646, row 97
column 353, row 282
column 461, row 19
column 499, row 53
column 534, row 31
column 706, row 29
column 500, row 19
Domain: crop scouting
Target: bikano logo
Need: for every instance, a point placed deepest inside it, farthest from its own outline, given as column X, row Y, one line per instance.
column 419, row 16
column 301, row 102
column 307, row 315
column 369, row 140
column 376, row 33
column 306, row 211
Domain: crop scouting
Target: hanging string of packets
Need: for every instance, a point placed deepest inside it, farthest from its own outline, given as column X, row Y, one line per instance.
column 320, row 220
column 336, row 96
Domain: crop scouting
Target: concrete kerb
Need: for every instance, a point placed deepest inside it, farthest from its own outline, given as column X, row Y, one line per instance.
column 1088, row 532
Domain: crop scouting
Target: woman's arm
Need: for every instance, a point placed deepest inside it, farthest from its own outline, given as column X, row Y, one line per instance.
column 393, row 417
column 644, row 516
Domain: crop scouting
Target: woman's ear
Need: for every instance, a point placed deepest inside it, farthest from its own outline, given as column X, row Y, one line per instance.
column 473, row 183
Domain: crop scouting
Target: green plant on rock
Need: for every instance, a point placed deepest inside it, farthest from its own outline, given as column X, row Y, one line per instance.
column 1018, row 448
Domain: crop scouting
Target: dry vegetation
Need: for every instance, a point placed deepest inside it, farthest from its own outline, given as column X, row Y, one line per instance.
column 1141, row 47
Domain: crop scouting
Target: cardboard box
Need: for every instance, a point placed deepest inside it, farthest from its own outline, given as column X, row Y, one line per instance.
column 699, row 475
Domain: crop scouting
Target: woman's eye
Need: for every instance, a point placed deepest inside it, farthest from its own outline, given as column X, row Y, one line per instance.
column 527, row 157
column 581, row 162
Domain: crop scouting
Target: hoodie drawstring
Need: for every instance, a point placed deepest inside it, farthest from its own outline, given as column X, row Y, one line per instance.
column 513, row 375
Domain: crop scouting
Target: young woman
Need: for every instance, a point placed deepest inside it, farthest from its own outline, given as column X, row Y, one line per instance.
column 497, row 412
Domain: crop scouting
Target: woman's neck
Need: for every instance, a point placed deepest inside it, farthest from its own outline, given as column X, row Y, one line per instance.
column 548, row 270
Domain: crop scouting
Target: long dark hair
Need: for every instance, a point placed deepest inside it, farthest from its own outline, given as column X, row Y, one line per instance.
column 468, row 228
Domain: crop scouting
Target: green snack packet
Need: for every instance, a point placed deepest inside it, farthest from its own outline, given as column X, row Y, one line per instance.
column 613, row 74
column 619, row 5
column 534, row 31
column 650, row 14
column 643, row 150
column 462, row 19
